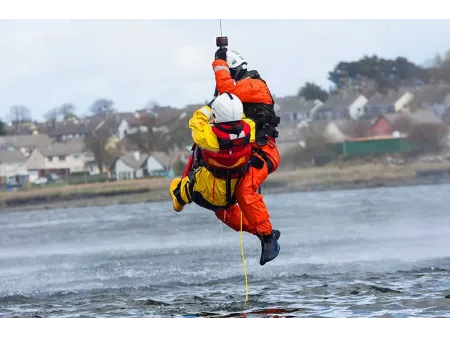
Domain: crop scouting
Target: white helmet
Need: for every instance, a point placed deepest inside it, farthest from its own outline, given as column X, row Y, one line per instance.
column 234, row 59
column 227, row 108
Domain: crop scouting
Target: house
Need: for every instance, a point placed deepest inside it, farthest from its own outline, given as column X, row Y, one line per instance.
column 338, row 131
column 24, row 143
column 69, row 129
column 62, row 158
column 392, row 102
column 167, row 114
column 292, row 109
column 21, row 128
column 342, row 106
column 435, row 98
column 131, row 123
column 13, row 168
column 135, row 164
column 402, row 124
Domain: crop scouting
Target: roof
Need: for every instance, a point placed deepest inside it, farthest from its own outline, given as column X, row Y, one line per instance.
column 138, row 118
column 293, row 104
column 13, row 156
column 430, row 94
column 167, row 114
column 354, row 128
column 67, row 128
column 425, row 117
column 405, row 122
column 26, row 140
column 162, row 158
column 75, row 146
column 340, row 101
column 130, row 160
column 289, row 134
column 386, row 99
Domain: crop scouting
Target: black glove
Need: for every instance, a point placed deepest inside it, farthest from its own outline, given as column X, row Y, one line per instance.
column 221, row 54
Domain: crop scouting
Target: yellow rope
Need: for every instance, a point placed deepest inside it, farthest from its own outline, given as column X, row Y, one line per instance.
column 243, row 263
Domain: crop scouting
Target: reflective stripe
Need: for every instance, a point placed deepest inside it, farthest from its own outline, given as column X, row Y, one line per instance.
column 217, row 68
column 206, row 112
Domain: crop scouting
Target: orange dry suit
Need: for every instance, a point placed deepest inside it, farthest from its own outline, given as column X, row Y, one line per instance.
column 258, row 105
column 222, row 156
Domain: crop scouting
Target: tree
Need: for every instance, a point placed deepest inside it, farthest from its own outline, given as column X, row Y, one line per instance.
column 149, row 140
column 19, row 114
column 387, row 73
column 152, row 104
column 52, row 115
column 440, row 68
column 96, row 142
column 2, row 128
column 65, row 112
column 101, row 106
column 428, row 137
column 311, row 91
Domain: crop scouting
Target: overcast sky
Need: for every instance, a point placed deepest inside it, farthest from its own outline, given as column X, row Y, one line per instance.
column 44, row 64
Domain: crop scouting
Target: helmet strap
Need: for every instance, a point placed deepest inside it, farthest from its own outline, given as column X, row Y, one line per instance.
column 238, row 72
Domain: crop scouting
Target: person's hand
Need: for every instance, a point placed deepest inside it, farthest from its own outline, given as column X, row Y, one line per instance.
column 221, row 54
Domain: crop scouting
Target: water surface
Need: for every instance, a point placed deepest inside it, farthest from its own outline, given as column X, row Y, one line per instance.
column 354, row 253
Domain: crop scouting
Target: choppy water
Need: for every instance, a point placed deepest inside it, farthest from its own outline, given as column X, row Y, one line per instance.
column 380, row 252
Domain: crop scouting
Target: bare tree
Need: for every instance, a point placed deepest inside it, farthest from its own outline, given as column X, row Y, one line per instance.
column 67, row 111
column 19, row 114
column 96, row 142
column 52, row 114
column 146, row 141
column 101, row 106
column 2, row 128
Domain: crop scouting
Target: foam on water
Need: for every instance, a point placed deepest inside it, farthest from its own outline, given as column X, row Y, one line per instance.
column 380, row 252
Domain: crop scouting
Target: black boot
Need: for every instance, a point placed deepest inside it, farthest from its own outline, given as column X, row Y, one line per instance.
column 269, row 247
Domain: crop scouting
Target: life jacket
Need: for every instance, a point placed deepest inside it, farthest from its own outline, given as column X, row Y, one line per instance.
column 233, row 158
column 263, row 114
column 235, row 150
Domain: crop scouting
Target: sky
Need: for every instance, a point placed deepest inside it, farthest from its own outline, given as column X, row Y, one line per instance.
column 45, row 63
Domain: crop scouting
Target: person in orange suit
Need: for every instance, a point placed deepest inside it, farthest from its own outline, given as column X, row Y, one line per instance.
column 231, row 75
column 224, row 157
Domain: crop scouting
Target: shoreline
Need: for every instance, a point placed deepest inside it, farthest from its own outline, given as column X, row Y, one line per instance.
column 156, row 189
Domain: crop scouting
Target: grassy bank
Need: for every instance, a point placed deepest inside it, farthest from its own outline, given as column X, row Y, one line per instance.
column 86, row 194
column 349, row 175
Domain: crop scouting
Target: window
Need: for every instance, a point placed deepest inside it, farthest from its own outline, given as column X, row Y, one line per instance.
column 61, row 158
column 49, row 158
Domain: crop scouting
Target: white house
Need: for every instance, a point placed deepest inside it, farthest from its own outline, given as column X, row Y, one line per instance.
column 13, row 168
column 356, row 108
column 62, row 158
column 132, row 123
column 137, row 165
column 341, row 106
column 392, row 102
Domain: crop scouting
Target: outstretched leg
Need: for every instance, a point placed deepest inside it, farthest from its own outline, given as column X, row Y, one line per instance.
column 255, row 210
column 233, row 216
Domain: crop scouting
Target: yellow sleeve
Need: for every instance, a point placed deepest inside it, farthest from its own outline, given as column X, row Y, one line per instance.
column 202, row 133
column 252, row 130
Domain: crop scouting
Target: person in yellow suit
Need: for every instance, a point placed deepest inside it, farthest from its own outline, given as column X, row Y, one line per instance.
column 223, row 139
